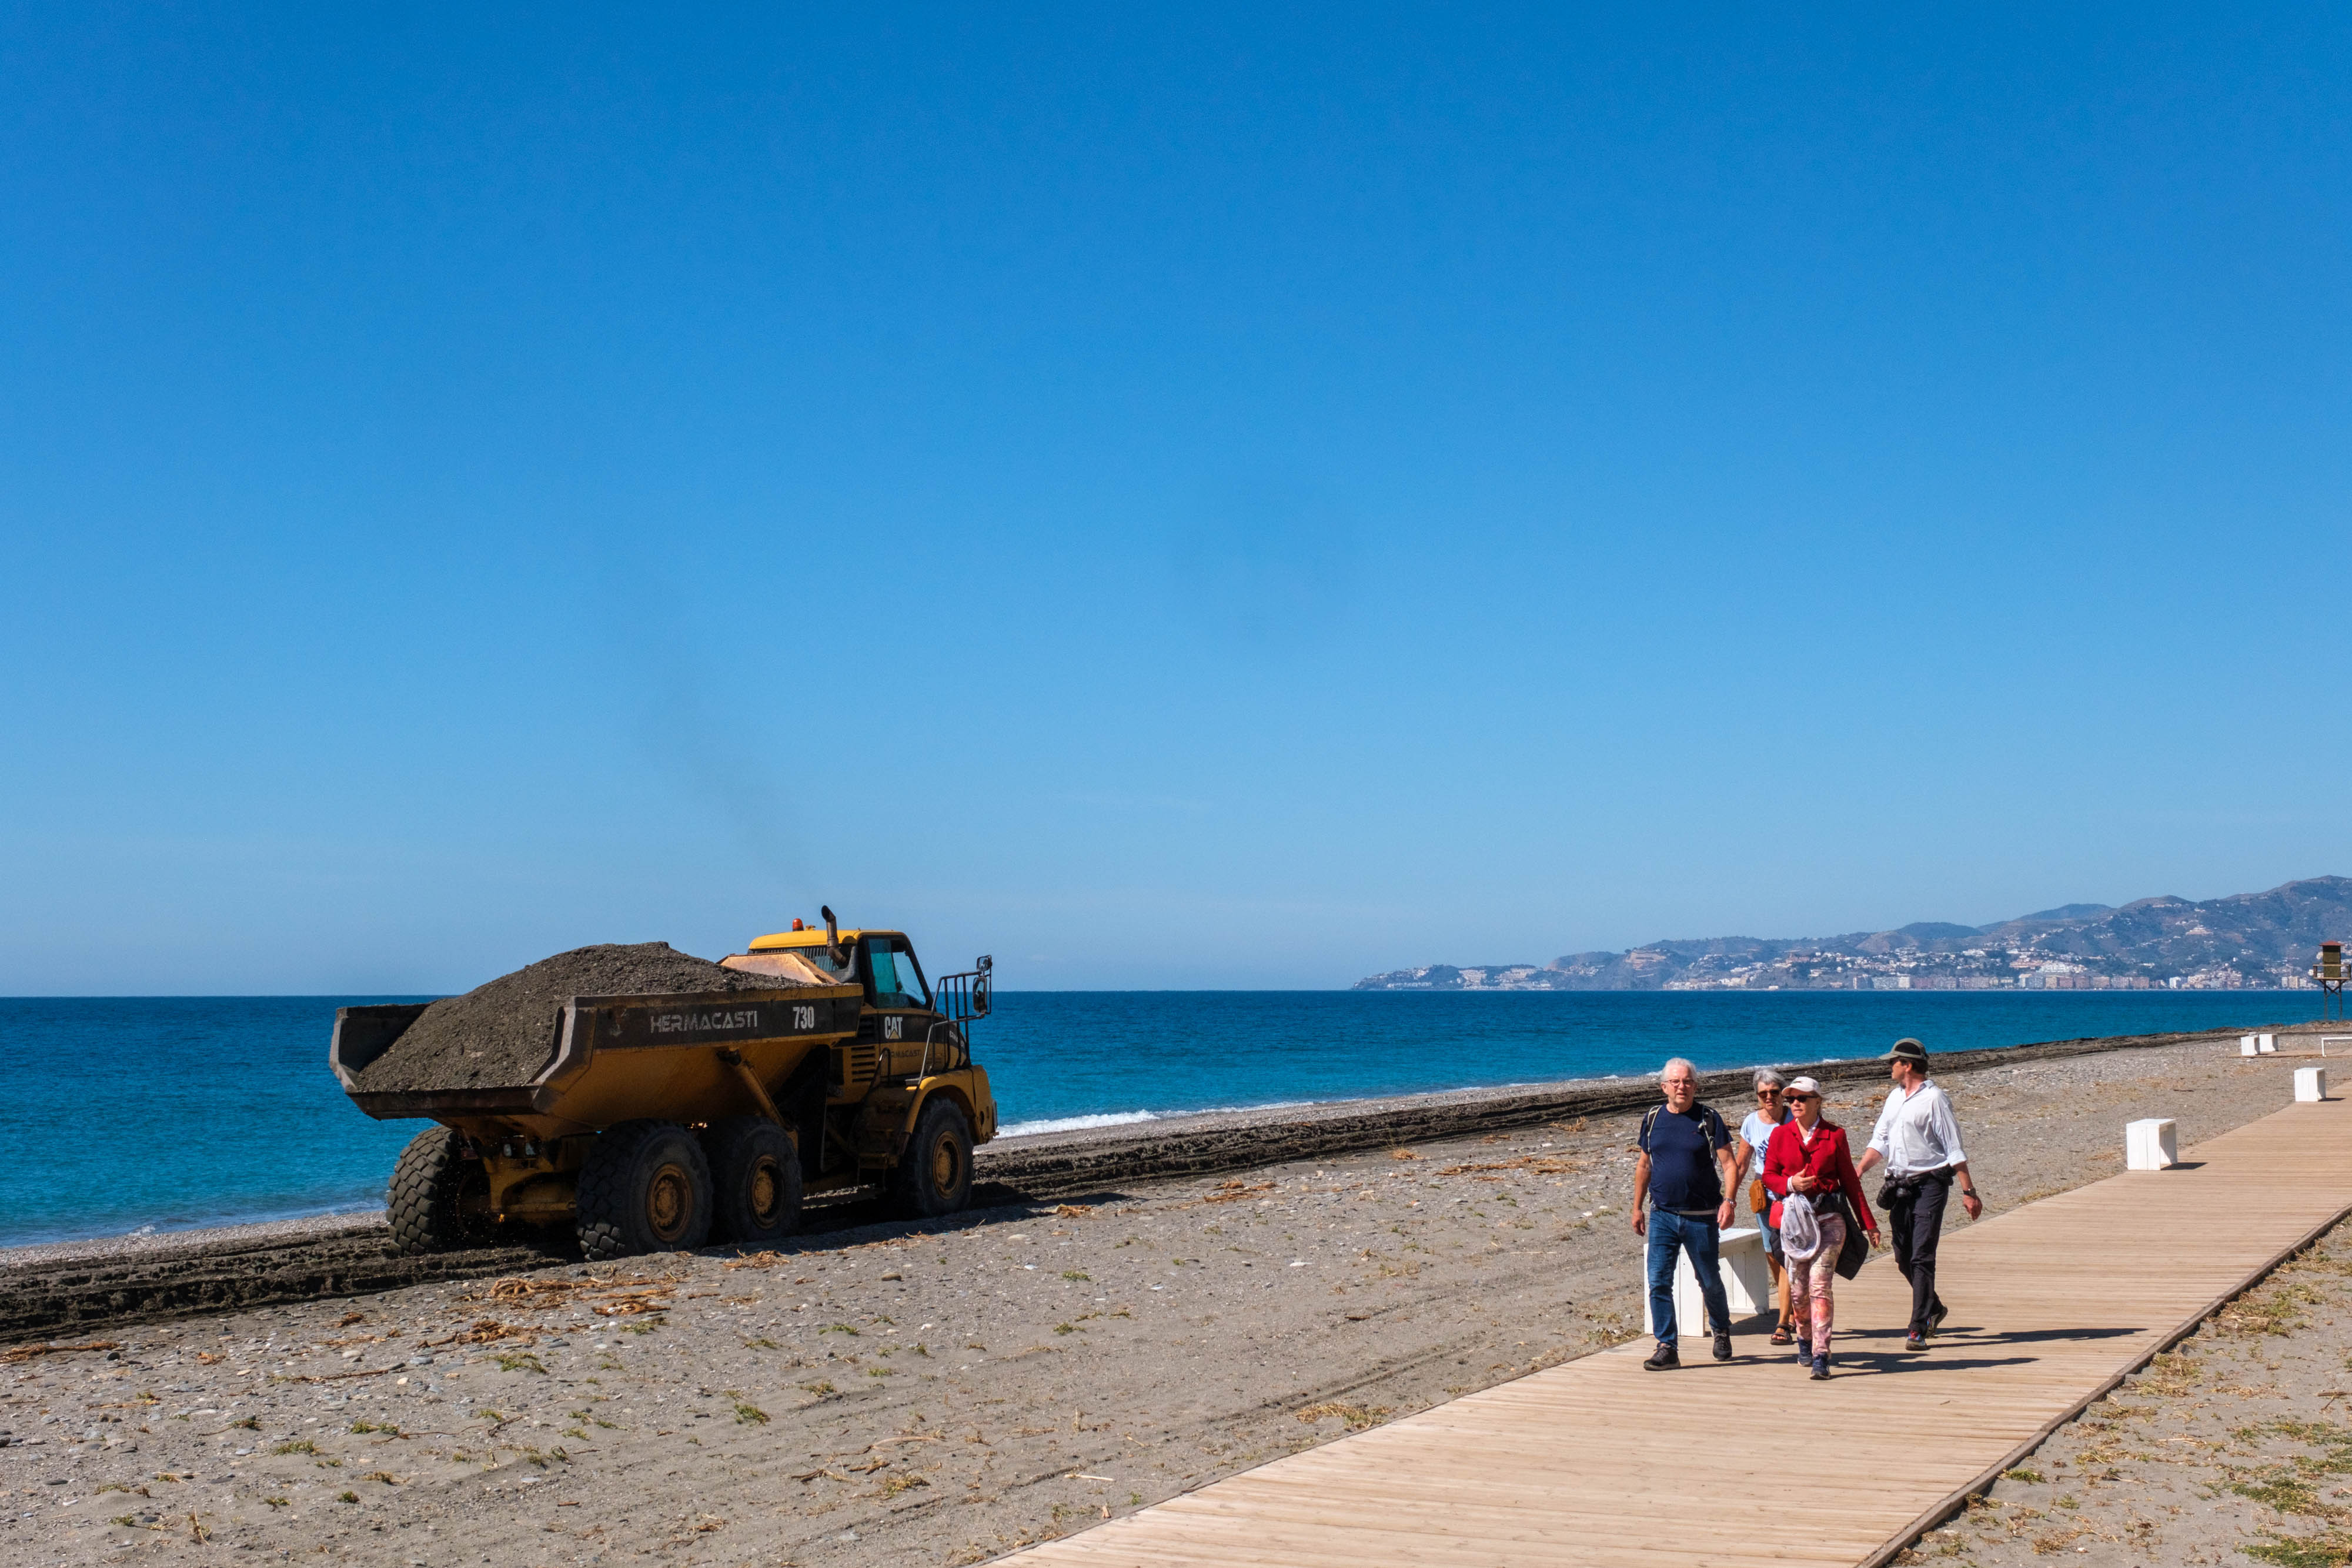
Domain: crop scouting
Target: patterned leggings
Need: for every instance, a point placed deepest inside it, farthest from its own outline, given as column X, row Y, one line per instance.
column 1810, row 1307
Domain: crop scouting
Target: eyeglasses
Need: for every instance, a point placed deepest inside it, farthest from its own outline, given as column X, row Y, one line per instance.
column 1767, row 1093
column 1805, row 1096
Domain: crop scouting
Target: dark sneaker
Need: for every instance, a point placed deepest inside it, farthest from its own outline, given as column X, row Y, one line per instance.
column 1820, row 1367
column 1804, row 1351
column 1722, row 1347
column 1915, row 1340
column 1663, row 1359
column 1936, row 1319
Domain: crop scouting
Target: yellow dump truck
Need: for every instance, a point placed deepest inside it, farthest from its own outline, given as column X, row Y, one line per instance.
column 664, row 1122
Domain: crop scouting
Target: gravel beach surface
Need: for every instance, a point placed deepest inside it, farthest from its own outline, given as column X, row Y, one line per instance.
column 939, row 1393
column 2235, row 1446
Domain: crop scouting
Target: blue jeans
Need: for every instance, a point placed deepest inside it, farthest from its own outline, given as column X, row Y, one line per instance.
column 1671, row 1233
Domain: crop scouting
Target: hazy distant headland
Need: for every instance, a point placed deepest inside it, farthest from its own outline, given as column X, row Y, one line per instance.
column 2247, row 940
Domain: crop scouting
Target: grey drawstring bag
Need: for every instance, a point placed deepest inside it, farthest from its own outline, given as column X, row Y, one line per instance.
column 1801, row 1233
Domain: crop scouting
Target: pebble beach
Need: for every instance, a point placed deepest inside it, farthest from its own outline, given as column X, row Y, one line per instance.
column 942, row 1392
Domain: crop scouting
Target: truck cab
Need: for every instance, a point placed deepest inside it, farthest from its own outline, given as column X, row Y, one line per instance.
column 898, row 1020
column 909, row 1054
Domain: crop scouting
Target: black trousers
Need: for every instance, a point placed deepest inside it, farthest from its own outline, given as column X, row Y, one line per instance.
column 1916, row 1218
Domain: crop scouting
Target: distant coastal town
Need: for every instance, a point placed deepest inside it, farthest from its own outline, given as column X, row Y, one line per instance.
column 2257, row 941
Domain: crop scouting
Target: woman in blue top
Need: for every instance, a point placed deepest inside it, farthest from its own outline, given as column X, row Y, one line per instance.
column 1755, row 1131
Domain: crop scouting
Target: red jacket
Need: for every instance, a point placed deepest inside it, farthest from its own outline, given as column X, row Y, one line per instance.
column 1828, row 1161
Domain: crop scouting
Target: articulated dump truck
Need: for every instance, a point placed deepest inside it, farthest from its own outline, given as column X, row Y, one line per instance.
column 663, row 1122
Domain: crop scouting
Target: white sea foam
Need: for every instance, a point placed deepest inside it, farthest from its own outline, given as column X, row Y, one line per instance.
column 1126, row 1118
column 1072, row 1124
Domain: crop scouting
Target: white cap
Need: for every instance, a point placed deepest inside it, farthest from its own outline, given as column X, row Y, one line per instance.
column 1803, row 1086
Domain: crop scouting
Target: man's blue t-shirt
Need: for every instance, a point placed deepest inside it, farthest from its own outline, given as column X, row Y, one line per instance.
column 1681, row 1146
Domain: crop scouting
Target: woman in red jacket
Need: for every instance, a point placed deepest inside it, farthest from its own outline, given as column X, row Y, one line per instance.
column 1808, row 1156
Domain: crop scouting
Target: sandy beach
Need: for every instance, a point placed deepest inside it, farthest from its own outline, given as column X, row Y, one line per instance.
column 935, row 1393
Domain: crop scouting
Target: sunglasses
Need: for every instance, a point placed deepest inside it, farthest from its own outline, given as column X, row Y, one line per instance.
column 1767, row 1093
column 1805, row 1096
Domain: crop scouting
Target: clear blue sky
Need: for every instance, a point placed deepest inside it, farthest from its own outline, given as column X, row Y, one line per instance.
column 1171, row 497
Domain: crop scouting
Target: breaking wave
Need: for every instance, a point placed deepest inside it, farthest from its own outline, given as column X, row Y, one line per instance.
column 1074, row 1123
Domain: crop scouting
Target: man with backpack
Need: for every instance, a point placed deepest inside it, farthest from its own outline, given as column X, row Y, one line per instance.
column 1687, row 1170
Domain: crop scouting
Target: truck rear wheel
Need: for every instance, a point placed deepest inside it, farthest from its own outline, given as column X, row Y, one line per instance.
column 430, row 1184
column 644, row 1187
column 755, row 1172
column 934, row 1175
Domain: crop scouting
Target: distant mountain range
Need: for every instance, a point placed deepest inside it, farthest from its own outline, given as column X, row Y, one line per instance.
column 2248, row 939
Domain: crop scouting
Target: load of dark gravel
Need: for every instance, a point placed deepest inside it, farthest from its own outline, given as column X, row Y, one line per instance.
column 499, row 1035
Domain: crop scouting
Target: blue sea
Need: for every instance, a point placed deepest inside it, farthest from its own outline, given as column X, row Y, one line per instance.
column 121, row 1113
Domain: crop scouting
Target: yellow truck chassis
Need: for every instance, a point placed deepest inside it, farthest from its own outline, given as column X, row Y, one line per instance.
column 665, row 1122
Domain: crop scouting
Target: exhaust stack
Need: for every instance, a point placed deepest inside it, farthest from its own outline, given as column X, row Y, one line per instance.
column 833, row 953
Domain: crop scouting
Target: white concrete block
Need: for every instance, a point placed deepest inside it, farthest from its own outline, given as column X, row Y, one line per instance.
column 1690, row 1306
column 2248, row 1045
column 1746, row 1280
column 2266, row 1044
column 2150, row 1144
column 1747, row 1283
column 2310, row 1083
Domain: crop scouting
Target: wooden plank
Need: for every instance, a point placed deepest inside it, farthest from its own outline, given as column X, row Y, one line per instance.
column 1598, row 1461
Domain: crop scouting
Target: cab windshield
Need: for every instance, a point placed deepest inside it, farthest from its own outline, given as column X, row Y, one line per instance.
column 898, row 979
column 842, row 974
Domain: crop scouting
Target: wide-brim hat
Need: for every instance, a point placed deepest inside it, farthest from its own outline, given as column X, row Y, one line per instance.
column 1908, row 1049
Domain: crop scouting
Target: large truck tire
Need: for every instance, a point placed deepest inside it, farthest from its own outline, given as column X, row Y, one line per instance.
column 934, row 1175
column 644, row 1187
column 755, row 1176
column 429, row 1183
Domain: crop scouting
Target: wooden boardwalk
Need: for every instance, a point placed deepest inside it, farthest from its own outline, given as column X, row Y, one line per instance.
column 1598, row 1461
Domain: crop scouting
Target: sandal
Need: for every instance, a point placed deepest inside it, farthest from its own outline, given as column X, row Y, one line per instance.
column 1781, row 1336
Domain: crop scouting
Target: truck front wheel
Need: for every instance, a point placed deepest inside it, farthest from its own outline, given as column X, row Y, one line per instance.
column 755, row 1171
column 934, row 1175
column 644, row 1187
column 430, row 1184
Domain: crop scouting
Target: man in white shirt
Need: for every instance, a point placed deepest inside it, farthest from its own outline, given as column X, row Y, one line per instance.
column 1920, row 1143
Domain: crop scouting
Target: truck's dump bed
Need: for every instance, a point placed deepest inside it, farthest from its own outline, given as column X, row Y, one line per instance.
column 521, row 1044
